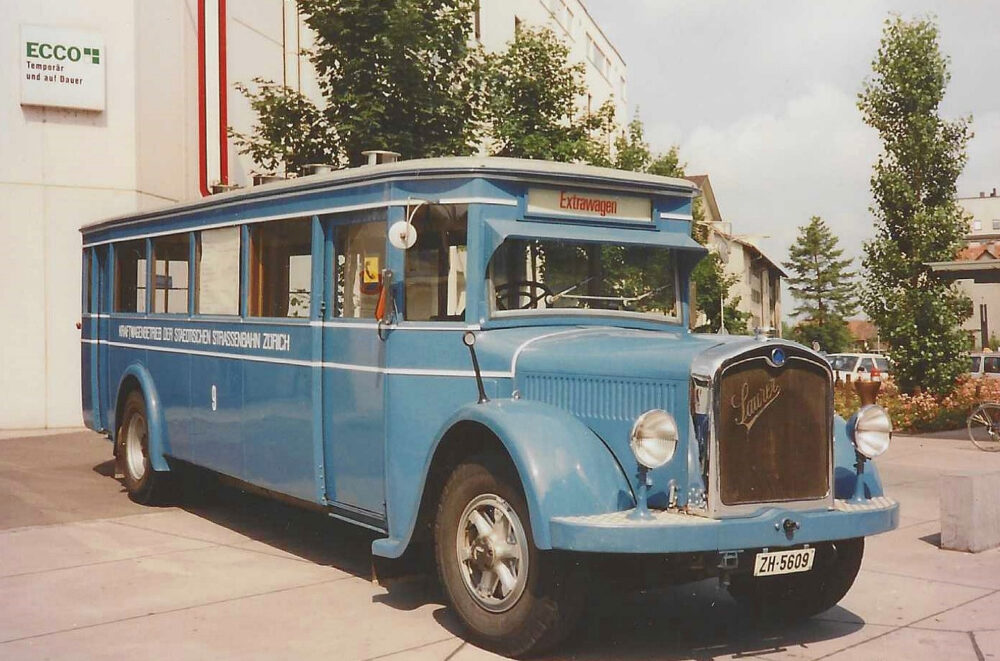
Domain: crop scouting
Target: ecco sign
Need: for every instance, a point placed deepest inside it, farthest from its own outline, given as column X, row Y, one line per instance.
column 62, row 68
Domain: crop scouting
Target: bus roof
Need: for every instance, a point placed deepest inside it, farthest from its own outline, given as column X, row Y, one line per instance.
column 504, row 168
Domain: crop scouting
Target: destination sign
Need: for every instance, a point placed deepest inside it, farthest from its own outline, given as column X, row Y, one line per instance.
column 588, row 204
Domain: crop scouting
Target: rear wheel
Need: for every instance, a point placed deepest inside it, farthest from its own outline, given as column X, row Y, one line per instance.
column 984, row 427
column 792, row 597
column 513, row 598
column 144, row 485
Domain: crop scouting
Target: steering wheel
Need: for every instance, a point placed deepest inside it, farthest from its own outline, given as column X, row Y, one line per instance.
column 533, row 290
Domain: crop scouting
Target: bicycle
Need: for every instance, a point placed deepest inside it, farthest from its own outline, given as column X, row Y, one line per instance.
column 984, row 426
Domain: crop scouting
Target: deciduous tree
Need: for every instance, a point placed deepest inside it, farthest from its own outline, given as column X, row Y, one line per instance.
column 917, row 220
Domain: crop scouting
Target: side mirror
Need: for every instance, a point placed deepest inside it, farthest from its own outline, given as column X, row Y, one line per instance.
column 385, row 309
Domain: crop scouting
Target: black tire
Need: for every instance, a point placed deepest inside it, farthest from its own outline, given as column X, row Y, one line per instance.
column 144, row 485
column 794, row 597
column 554, row 586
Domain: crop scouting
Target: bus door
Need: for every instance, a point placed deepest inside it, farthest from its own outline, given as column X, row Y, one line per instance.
column 101, row 307
column 354, row 365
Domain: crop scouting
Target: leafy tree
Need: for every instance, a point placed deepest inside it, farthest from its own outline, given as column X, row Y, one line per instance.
column 394, row 74
column 916, row 217
column 823, row 287
column 290, row 130
column 531, row 92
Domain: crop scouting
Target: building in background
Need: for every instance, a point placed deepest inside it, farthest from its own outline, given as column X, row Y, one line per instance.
column 113, row 106
column 976, row 269
column 759, row 277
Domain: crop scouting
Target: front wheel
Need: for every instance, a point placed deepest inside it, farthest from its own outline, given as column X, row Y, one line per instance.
column 512, row 597
column 984, row 427
column 792, row 597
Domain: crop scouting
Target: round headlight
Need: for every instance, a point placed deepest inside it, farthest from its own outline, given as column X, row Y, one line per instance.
column 870, row 429
column 654, row 437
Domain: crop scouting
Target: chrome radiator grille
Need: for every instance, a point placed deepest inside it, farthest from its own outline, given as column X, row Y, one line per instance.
column 774, row 431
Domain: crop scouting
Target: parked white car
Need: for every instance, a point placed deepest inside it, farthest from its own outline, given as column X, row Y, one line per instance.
column 984, row 364
column 858, row 366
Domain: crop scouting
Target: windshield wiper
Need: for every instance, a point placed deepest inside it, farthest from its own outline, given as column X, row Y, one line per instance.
column 624, row 300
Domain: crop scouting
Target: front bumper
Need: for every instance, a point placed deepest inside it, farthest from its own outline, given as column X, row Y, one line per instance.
column 675, row 532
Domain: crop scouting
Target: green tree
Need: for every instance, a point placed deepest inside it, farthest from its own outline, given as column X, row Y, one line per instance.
column 916, row 217
column 394, row 74
column 531, row 92
column 823, row 286
column 711, row 283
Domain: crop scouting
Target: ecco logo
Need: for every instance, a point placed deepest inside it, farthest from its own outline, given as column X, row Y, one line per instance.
column 61, row 52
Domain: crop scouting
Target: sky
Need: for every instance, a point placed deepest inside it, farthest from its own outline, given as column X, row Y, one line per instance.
column 761, row 96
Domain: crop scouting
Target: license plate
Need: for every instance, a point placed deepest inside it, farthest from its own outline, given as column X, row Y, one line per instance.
column 783, row 562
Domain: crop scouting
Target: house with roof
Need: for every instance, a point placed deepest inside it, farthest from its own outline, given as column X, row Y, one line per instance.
column 976, row 268
column 759, row 277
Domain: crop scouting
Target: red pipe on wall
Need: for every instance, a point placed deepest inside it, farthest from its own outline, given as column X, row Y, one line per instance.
column 202, row 132
column 223, row 98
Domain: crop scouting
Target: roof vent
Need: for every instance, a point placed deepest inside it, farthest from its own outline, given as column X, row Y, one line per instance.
column 261, row 179
column 317, row 168
column 380, row 156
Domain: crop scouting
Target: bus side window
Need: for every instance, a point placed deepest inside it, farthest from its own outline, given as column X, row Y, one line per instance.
column 360, row 250
column 170, row 273
column 435, row 265
column 130, row 276
column 217, row 271
column 280, row 268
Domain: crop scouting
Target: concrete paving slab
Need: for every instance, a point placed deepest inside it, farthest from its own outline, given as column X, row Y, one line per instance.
column 890, row 600
column 980, row 615
column 179, row 523
column 913, row 645
column 78, row 544
column 351, row 619
column 88, row 596
column 914, row 552
column 988, row 643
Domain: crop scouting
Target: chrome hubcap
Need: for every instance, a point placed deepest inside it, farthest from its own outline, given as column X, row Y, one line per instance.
column 492, row 552
column 135, row 440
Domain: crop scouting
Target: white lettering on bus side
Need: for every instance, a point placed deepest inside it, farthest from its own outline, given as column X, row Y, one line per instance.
column 204, row 336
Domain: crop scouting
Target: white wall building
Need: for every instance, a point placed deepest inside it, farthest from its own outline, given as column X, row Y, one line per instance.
column 983, row 248
column 149, row 141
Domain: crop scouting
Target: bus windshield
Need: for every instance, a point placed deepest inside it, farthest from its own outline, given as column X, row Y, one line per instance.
column 556, row 274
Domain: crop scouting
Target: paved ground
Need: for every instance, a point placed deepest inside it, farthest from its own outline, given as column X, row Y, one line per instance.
column 85, row 573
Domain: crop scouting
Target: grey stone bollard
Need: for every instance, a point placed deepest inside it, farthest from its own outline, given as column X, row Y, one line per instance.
column 970, row 511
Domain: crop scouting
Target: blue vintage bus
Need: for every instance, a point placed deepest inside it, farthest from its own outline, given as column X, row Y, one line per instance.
column 491, row 356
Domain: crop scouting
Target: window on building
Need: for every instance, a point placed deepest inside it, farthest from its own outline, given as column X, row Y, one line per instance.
column 996, row 224
column 435, row 265
column 977, row 225
column 280, row 269
column 360, row 260
column 755, row 296
column 217, row 271
column 130, row 276
column 597, row 57
column 171, row 255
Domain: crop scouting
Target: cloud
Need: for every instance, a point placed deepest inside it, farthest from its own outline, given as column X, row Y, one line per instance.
column 772, row 172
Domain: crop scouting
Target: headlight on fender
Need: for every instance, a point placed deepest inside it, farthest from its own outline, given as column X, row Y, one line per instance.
column 654, row 438
column 870, row 430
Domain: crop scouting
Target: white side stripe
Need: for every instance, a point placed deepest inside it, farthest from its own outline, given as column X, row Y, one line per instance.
column 372, row 369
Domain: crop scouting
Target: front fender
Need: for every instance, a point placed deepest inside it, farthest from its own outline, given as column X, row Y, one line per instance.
column 154, row 413
column 565, row 469
column 845, row 474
